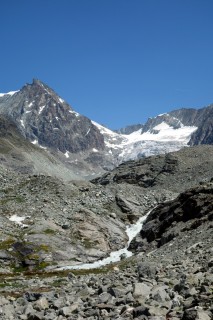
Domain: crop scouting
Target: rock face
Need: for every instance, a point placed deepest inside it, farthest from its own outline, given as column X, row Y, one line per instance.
column 175, row 171
column 187, row 212
column 18, row 154
column 46, row 222
column 130, row 129
column 201, row 118
column 44, row 118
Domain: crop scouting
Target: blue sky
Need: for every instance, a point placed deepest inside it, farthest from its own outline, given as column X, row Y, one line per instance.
column 116, row 61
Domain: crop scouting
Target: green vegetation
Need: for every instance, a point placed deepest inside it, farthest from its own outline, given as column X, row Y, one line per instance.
column 4, row 149
column 6, row 244
column 17, row 199
column 58, row 282
column 87, row 243
column 42, row 247
column 49, row 231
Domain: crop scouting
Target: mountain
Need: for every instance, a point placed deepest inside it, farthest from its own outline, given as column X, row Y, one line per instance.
column 45, row 119
column 88, row 149
column 52, row 219
column 48, row 122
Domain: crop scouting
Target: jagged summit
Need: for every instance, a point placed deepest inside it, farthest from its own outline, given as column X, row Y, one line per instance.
column 37, row 81
column 46, row 119
column 39, row 85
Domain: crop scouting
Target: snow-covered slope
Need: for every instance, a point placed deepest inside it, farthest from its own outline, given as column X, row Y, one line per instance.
column 161, row 138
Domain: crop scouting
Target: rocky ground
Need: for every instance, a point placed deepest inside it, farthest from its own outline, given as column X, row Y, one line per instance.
column 170, row 274
column 174, row 281
column 65, row 223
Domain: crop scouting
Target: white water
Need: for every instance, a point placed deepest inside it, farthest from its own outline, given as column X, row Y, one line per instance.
column 131, row 230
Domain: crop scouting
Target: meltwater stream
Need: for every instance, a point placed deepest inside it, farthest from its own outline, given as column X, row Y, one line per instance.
column 131, row 231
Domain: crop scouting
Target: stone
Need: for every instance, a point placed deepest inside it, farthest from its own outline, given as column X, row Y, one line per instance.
column 28, row 309
column 203, row 315
column 104, row 297
column 157, row 311
column 159, row 294
column 139, row 311
column 146, row 270
column 41, row 304
column 67, row 311
column 21, row 302
column 190, row 314
column 141, row 291
column 8, row 311
column 117, row 292
column 37, row 316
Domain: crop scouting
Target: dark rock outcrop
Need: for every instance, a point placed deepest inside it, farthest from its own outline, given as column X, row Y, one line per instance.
column 130, row 129
column 187, row 212
column 176, row 171
column 202, row 119
column 42, row 116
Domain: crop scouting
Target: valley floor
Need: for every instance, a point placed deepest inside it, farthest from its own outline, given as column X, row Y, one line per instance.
column 174, row 282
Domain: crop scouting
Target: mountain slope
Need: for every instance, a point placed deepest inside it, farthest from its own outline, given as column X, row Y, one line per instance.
column 47, row 223
column 175, row 171
column 45, row 119
column 88, row 148
column 18, row 154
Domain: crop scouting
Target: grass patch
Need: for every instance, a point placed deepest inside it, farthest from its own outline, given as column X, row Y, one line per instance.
column 43, row 247
column 10, row 284
column 17, row 199
column 6, row 244
column 49, row 231
column 87, row 243
column 59, row 282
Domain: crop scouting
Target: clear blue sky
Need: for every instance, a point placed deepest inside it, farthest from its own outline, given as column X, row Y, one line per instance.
column 116, row 61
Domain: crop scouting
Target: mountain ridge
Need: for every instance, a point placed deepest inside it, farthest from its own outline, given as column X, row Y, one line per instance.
column 83, row 145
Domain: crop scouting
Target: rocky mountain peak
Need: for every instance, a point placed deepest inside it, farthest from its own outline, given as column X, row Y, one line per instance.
column 46, row 119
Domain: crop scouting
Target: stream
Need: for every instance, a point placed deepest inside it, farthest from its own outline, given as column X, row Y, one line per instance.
column 115, row 256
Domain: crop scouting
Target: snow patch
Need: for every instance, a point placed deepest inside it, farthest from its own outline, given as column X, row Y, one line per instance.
column 22, row 123
column 67, row 154
column 41, row 109
column 34, row 141
column 45, row 148
column 11, row 93
column 168, row 133
column 94, row 150
column 18, row 220
column 75, row 113
column 104, row 130
column 61, row 100
column 161, row 114
column 88, row 132
column 31, row 104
